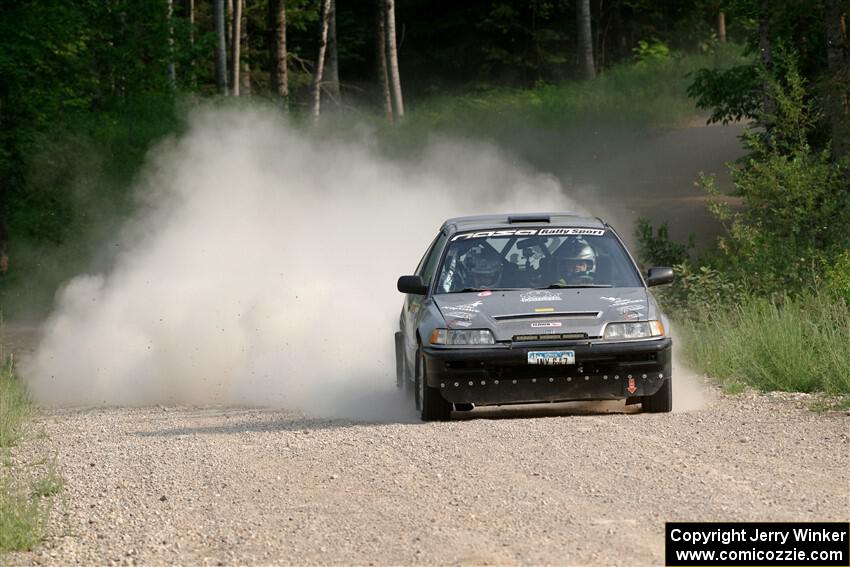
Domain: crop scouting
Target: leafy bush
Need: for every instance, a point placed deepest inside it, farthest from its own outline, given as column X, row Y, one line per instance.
column 793, row 224
column 654, row 51
column 656, row 248
column 698, row 289
column 838, row 277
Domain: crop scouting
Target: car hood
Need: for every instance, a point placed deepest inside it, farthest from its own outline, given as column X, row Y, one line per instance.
column 581, row 311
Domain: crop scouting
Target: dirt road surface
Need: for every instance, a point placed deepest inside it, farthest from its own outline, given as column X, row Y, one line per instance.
column 573, row 484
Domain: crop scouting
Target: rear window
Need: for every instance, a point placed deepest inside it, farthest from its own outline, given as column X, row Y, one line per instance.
column 535, row 258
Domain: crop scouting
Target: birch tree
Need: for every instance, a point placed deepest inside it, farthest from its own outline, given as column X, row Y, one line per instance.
column 585, row 39
column 172, row 71
column 383, row 76
column 392, row 59
column 320, row 60
column 331, row 82
column 245, row 54
column 221, row 49
column 279, row 70
column 236, row 35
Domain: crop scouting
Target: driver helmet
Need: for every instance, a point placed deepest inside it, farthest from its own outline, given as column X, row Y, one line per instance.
column 578, row 260
column 485, row 269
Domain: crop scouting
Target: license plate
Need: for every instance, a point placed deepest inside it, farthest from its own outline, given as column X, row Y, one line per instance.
column 552, row 357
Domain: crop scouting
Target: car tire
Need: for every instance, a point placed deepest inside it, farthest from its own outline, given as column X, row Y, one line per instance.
column 430, row 403
column 661, row 401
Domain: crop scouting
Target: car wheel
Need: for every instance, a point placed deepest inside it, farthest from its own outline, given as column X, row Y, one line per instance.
column 431, row 405
column 661, row 401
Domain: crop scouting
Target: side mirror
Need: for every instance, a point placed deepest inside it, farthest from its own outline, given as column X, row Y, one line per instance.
column 412, row 284
column 658, row 276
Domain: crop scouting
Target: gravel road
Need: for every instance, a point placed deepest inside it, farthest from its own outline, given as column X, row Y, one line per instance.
column 567, row 484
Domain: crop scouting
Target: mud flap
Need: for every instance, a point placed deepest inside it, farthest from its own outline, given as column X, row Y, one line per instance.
column 399, row 359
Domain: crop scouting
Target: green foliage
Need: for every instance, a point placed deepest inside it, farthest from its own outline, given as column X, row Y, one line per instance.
column 800, row 344
column 22, row 516
column 25, row 494
column 649, row 94
column 796, row 202
column 15, row 407
column 48, row 485
column 730, row 94
column 838, row 277
column 656, row 248
column 654, row 51
column 696, row 289
column 739, row 92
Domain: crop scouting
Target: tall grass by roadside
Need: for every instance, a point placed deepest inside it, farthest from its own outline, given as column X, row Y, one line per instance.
column 648, row 92
column 24, row 500
column 15, row 407
column 800, row 344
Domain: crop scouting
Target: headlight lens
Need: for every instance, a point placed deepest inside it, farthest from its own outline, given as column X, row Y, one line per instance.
column 638, row 330
column 462, row 337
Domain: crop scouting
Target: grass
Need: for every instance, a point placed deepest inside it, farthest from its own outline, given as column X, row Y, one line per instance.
column 23, row 516
column 651, row 92
column 25, row 499
column 15, row 407
column 797, row 345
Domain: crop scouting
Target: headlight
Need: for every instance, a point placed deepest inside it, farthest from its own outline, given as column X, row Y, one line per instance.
column 639, row 330
column 462, row 337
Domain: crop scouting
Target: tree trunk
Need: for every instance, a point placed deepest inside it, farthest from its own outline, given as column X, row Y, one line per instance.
column 320, row 60
column 585, row 40
column 279, row 71
column 4, row 237
column 838, row 88
column 392, row 59
column 332, row 71
column 172, row 71
column 721, row 26
column 383, row 76
column 190, row 9
column 191, row 15
column 221, row 50
column 229, row 23
column 766, row 54
column 235, row 59
column 246, row 66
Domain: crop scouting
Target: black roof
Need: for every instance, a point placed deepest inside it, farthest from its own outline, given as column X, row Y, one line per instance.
column 513, row 220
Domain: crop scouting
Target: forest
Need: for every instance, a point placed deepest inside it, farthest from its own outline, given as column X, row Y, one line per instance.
column 89, row 87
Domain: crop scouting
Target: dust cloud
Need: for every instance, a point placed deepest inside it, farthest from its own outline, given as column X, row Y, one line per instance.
column 690, row 390
column 263, row 268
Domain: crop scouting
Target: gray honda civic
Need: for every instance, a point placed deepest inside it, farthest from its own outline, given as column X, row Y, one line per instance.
column 527, row 308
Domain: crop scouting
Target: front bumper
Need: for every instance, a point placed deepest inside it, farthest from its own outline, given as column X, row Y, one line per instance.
column 502, row 375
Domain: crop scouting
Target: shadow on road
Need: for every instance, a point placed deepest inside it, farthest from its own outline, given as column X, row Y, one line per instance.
column 243, row 420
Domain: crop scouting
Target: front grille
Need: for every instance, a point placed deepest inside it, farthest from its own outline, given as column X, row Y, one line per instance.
column 555, row 337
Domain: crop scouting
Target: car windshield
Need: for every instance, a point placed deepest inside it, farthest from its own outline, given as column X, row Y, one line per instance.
column 544, row 258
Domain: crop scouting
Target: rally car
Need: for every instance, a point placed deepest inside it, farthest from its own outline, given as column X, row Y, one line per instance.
column 525, row 308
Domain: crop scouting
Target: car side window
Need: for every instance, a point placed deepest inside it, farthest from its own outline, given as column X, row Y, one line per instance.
column 429, row 264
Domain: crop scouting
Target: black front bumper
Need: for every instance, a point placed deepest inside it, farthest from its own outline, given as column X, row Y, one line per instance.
column 502, row 375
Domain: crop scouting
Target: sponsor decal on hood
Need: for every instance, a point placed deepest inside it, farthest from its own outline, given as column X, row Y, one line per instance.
column 540, row 295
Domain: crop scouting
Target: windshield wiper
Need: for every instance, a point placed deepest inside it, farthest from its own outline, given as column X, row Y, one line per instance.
column 570, row 286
